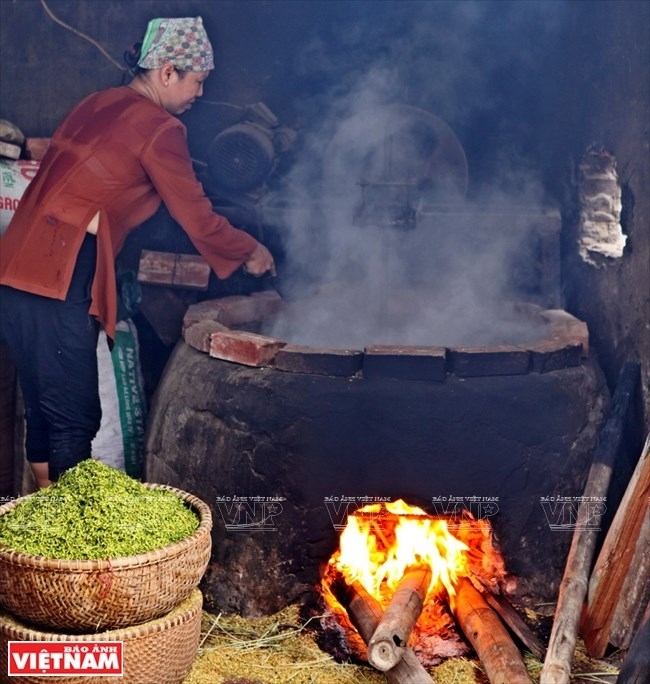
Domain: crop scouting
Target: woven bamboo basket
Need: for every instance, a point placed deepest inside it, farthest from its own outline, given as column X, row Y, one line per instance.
column 160, row 651
column 94, row 595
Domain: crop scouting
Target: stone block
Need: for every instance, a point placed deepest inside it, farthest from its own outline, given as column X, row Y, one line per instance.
column 246, row 348
column 322, row 361
column 405, row 362
column 199, row 334
column 472, row 362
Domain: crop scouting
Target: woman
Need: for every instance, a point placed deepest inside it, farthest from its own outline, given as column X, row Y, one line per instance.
column 110, row 164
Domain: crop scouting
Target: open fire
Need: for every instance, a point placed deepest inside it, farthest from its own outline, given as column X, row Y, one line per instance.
column 402, row 580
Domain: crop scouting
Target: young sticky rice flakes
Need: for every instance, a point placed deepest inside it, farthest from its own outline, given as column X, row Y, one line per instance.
column 95, row 511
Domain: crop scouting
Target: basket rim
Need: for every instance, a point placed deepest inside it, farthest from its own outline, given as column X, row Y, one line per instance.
column 93, row 565
column 184, row 612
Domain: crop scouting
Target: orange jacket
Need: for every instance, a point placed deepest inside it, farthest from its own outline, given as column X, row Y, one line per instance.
column 119, row 154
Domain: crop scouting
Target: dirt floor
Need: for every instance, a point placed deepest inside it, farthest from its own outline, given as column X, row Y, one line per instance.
column 282, row 648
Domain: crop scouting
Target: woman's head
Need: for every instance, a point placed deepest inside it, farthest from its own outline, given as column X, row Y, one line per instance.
column 182, row 42
column 173, row 60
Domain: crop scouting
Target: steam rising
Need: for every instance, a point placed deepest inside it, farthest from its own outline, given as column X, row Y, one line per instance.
column 378, row 228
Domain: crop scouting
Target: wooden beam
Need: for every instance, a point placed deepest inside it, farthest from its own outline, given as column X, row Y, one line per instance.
column 614, row 561
column 501, row 659
column 573, row 588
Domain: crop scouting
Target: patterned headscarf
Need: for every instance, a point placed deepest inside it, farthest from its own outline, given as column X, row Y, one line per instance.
column 183, row 42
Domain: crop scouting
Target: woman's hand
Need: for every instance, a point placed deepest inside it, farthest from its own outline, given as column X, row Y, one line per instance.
column 260, row 261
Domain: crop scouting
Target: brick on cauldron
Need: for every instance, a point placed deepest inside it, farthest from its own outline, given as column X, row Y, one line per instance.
column 199, row 335
column 405, row 362
column 554, row 354
column 564, row 326
column 246, row 348
column 323, row 361
column 478, row 361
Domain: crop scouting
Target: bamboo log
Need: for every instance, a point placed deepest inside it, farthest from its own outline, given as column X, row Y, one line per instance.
column 365, row 613
column 614, row 562
column 388, row 643
column 573, row 588
column 501, row 659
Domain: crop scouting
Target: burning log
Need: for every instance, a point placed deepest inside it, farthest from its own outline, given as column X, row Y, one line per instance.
column 501, row 658
column 388, row 643
column 365, row 613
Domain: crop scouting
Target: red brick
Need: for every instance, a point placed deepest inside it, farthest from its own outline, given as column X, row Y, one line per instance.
column 549, row 355
column 405, row 362
column 199, row 334
column 317, row 360
column 208, row 310
column 178, row 270
column 244, row 347
column 564, row 326
column 471, row 362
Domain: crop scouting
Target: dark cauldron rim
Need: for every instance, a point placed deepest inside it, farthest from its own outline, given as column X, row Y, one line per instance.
column 222, row 328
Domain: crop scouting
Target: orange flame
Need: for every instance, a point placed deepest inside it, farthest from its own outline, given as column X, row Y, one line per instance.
column 380, row 541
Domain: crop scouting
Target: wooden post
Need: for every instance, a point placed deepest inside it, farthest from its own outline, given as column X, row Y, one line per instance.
column 614, row 560
column 387, row 645
column 573, row 588
column 365, row 612
column 501, row 659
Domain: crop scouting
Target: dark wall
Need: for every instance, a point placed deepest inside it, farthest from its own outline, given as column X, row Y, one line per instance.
column 525, row 85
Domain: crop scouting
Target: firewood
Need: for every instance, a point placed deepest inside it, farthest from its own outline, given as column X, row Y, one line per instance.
column 513, row 620
column 634, row 595
column 365, row 612
column 573, row 588
column 388, row 643
column 615, row 558
column 501, row 659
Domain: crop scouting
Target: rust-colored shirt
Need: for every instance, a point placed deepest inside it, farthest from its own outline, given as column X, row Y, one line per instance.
column 119, row 154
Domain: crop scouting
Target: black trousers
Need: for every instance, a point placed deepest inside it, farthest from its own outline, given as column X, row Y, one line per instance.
column 53, row 345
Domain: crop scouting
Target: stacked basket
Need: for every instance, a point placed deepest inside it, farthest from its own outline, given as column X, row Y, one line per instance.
column 150, row 602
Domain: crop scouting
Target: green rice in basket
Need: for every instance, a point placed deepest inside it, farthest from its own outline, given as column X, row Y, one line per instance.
column 95, row 511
